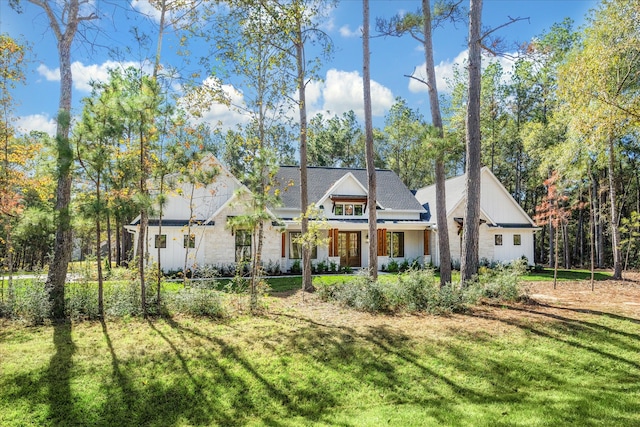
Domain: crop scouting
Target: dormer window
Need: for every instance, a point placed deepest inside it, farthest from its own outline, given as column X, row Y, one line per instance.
column 348, row 209
column 344, row 205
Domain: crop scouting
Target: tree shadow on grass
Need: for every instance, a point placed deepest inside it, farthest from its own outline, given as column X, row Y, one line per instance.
column 604, row 333
column 136, row 399
column 290, row 400
column 62, row 411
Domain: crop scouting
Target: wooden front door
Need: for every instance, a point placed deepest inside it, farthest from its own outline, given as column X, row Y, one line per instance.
column 349, row 248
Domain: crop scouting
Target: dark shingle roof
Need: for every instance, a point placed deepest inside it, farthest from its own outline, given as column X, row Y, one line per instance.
column 391, row 191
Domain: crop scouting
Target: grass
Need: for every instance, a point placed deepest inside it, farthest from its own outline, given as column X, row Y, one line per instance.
column 546, row 274
column 288, row 370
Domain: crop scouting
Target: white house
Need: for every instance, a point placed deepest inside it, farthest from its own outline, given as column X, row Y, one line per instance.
column 195, row 229
column 340, row 194
column 506, row 231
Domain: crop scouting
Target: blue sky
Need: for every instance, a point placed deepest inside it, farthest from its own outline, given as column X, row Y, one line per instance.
column 339, row 90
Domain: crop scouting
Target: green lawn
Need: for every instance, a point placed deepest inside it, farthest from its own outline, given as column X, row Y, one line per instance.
column 286, row 369
column 547, row 274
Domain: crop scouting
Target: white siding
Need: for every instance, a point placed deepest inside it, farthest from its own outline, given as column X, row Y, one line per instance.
column 508, row 252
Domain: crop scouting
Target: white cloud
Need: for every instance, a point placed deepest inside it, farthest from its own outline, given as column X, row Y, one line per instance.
column 345, row 31
column 217, row 113
column 83, row 75
column 445, row 71
column 338, row 93
column 145, row 8
column 342, row 91
column 39, row 122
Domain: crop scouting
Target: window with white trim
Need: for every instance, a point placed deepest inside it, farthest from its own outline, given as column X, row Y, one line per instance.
column 517, row 240
column 348, row 209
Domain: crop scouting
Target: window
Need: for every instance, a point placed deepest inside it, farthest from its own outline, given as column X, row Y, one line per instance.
column 161, row 241
column 517, row 240
column 189, row 240
column 348, row 209
column 295, row 249
column 498, row 239
column 395, row 244
column 243, row 245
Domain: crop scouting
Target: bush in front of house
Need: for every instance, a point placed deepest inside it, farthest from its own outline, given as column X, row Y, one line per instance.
column 419, row 290
column 501, row 283
column 197, row 300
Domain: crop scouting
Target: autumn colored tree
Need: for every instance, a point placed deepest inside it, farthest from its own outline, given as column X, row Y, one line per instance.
column 14, row 155
column 599, row 87
column 554, row 209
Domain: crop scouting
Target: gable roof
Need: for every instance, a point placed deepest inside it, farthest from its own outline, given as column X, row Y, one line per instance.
column 455, row 195
column 391, row 192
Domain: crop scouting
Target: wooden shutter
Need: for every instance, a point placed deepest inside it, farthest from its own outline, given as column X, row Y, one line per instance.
column 382, row 242
column 427, row 236
column 284, row 245
column 333, row 242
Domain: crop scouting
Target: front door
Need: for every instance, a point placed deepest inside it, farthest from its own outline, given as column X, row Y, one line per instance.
column 349, row 248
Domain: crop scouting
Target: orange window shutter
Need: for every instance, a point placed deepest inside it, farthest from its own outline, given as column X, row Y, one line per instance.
column 331, row 239
column 284, row 245
column 335, row 242
column 382, row 242
column 427, row 235
column 385, row 247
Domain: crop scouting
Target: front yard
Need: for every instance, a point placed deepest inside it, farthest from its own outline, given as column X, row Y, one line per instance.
column 569, row 357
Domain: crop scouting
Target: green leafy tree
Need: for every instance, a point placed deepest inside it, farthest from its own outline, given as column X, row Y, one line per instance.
column 65, row 17
column 334, row 141
column 404, row 155
column 96, row 136
column 599, row 86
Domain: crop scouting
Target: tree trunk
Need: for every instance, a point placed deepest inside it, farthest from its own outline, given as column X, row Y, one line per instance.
column 552, row 250
column 307, row 286
column 99, row 253
column 600, row 226
column 436, row 118
column 565, row 245
column 118, row 242
column 615, row 232
column 62, row 246
column 159, row 255
column 371, row 167
column 109, row 248
column 471, row 226
column 144, row 222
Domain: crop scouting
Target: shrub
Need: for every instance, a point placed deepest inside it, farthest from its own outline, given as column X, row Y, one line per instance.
column 197, row 301
column 81, row 301
column 296, row 267
column 415, row 291
column 333, row 267
column 272, row 268
column 501, row 284
column 393, row 266
column 32, row 303
column 123, row 299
